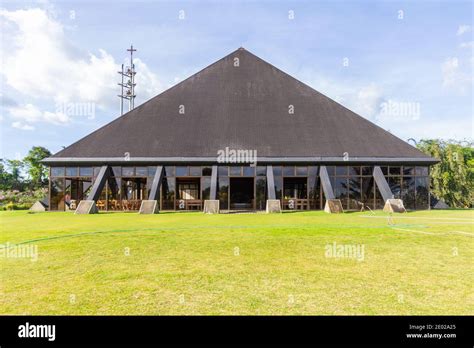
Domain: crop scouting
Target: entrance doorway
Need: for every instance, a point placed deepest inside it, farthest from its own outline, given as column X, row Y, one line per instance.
column 189, row 197
column 242, row 193
column 295, row 195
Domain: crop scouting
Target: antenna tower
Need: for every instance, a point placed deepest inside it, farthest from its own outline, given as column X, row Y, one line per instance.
column 128, row 84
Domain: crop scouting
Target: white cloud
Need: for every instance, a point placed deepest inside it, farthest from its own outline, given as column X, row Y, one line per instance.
column 468, row 44
column 27, row 114
column 362, row 99
column 22, row 126
column 453, row 76
column 464, row 28
column 367, row 102
column 44, row 65
column 450, row 70
column 148, row 84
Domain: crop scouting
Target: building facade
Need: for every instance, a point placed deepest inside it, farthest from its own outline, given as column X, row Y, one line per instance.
column 241, row 132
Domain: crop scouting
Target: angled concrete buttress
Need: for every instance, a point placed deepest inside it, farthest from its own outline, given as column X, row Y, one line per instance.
column 392, row 205
column 332, row 205
column 150, row 206
column 88, row 206
column 273, row 205
column 211, row 206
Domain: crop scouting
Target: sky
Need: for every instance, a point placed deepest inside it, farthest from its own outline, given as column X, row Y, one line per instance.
column 405, row 65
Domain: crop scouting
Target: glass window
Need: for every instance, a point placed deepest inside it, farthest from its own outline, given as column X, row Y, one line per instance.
column 340, row 187
column 395, row 171
column 289, row 171
column 353, row 171
column 341, row 170
column 134, row 189
column 206, row 187
column 248, row 171
column 261, row 171
column 408, row 192
column 278, row 181
column 152, row 171
column 302, row 171
column 195, row 171
column 261, row 193
column 169, row 171
column 86, row 188
column 57, row 194
column 312, row 171
column 116, row 171
column 57, row 171
column 421, row 171
column 314, row 190
column 223, row 171
column 395, row 184
column 168, row 193
column 379, row 201
column 235, row 171
column 128, row 171
column 206, row 171
column 354, row 193
column 97, row 171
column 182, row 171
column 223, row 192
column 295, row 188
column 331, row 170
column 422, row 192
column 368, row 191
column 277, row 171
column 71, row 171
column 114, row 185
column 367, row 171
column 408, row 171
column 86, row 171
column 141, row 171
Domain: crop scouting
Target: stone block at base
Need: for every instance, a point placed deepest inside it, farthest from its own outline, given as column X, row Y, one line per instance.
column 394, row 206
column 273, row 206
column 86, row 207
column 38, row 207
column 333, row 206
column 211, row 206
column 149, row 207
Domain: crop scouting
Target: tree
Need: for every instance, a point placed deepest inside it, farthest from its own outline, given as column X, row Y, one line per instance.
column 453, row 178
column 5, row 177
column 16, row 180
column 37, row 171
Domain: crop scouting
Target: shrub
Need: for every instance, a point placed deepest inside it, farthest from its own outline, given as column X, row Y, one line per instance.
column 16, row 206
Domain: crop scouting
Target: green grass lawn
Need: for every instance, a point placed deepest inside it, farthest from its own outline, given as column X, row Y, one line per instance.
column 192, row 263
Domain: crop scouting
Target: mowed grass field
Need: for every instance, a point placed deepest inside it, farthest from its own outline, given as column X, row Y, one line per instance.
column 238, row 264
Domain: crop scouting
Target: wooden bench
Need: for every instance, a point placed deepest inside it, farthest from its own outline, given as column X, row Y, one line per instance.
column 189, row 204
column 298, row 204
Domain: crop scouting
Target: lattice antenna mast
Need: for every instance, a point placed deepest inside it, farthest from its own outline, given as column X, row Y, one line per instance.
column 128, row 87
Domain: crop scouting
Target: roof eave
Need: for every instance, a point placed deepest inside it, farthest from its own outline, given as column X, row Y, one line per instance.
column 315, row 159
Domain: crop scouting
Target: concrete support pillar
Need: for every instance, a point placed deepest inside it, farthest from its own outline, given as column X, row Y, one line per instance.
column 88, row 206
column 211, row 206
column 273, row 205
column 332, row 205
column 382, row 184
column 150, row 206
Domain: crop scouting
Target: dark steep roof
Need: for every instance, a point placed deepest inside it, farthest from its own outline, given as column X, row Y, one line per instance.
column 244, row 107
